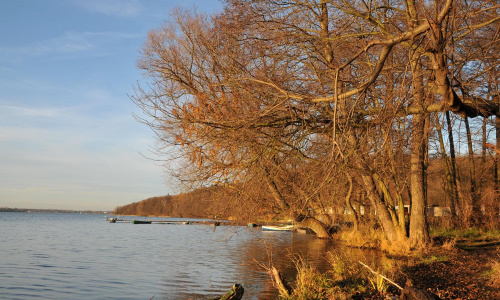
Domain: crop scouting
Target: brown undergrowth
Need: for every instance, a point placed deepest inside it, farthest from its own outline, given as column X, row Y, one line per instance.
column 456, row 274
column 450, row 268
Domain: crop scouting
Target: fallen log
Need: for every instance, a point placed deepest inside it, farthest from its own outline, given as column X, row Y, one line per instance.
column 284, row 289
column 235, row 293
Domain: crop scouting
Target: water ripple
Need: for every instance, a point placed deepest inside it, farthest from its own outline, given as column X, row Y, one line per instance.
column 70, row 256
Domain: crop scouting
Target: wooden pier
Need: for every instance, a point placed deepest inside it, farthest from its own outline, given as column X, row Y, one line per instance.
column 170, row 222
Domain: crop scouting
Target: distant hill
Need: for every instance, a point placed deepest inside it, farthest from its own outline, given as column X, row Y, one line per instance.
column 202, row 203
column 43, row 210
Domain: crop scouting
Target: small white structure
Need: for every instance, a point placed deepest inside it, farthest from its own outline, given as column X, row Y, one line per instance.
column 439, row 211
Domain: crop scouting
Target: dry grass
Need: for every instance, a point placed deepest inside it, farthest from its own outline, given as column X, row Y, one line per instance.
column 344, row 267
column 402, row 248
column 365, row 237
column 374, row 238
column 310, row 283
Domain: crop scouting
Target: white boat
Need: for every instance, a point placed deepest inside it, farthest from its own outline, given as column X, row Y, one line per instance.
column 277, row 228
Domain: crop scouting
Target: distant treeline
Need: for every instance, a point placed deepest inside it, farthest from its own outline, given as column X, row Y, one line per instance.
column 213, row 202
column 37, row 210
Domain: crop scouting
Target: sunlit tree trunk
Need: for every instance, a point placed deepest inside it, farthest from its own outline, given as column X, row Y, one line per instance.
column 419, row 234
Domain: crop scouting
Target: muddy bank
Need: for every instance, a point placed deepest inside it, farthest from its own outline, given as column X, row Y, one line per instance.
column 456, row 274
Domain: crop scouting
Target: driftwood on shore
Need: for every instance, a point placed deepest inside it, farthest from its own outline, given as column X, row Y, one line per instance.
column 284, row 289
column 235, row 293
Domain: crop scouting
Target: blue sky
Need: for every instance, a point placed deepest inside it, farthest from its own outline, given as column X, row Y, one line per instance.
column 67, row 136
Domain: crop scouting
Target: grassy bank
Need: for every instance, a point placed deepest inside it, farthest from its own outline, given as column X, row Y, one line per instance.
column 460, row 264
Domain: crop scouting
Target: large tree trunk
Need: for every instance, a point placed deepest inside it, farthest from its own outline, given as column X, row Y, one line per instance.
column 419, row 234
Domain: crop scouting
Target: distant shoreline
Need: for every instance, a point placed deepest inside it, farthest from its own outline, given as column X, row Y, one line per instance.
column 40, row 210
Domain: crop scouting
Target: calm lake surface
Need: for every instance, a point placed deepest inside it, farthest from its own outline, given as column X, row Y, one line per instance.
column 73, row 256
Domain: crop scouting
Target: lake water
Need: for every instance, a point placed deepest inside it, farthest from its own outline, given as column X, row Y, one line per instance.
column 73, row 256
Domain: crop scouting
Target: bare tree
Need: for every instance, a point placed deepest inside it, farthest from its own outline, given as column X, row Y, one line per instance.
column 268, row 88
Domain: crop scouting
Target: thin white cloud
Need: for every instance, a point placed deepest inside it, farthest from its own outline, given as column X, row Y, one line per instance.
column 67, row 43
column 25, row 111
column 9, row 134
column 117, row 8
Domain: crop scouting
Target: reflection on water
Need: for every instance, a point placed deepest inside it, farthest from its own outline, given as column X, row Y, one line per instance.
column 56, row 256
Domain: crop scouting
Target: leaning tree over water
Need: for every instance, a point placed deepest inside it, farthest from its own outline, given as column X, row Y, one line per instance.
column 304, row 96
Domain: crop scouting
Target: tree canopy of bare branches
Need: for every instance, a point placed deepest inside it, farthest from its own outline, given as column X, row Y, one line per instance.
column 316, row 98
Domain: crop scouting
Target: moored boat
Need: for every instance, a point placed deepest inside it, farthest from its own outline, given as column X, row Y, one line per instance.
column 277, row 228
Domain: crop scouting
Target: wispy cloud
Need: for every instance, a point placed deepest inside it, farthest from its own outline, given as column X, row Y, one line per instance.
column 67, row 43
column 118, row 8
column 25, row 111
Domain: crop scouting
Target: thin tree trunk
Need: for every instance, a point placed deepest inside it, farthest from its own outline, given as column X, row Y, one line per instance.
column 380, row 209
column 497, row 162
column 376, row 200
column 398, row 193
column 480, row 184
column 453, row 164
column 349, row 204
column 450, row 186
column 472, row 172
column 275, row 192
